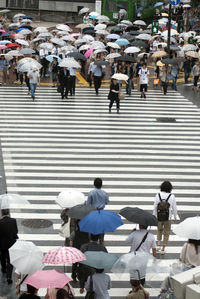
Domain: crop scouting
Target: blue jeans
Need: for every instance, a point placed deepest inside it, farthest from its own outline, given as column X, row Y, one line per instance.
column 129, row 86
column 174, row 82
column 33, row 88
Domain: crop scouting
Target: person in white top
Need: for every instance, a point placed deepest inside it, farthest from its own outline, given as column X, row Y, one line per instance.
column 143, row 79
column 164, row 217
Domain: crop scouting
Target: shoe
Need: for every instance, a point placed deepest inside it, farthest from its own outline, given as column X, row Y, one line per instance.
column 62, row 97
column 109, row 110
column 162, row 252
column 145, row 96
column 33, row 98
column 158, row 249
column 9, row 281
column 66, row 97
column 141, row 96
column 117, row 110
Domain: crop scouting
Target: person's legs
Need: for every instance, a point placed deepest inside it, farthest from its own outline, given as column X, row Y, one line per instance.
column 3, row 261
column 66, row 91
column 9, row 267
column 159, row 232
column 62, row 91
column 111, row 104
column 21, row 78
column 166, row 233
column 33, row 88
column 96, row 84
column 73, row 84
column 118, row 105
column 141, row 90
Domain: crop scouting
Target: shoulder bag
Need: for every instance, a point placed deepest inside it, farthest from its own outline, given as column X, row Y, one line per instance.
column 90, row 294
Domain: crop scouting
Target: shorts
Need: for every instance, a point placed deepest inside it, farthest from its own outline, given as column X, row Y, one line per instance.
column 143, row 87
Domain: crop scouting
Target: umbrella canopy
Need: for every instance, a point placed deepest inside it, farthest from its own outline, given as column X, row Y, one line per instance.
column 40, row 29
column 159, row 54
column 69, row 62
column 13, row 45
column 131, row 50
column 82, row 26
column 189, row 47
column 189, row 228
column 158, row 4
column 139, row 216
column 88, row 53
column 113, row 45
column 77, row 55
column 25, row 31
column 174, row 48
column 139, row 43
column 193, row 54
column 169, row 61
column 99, row 259
column 58, row 41
column 101, row 62
column 4, row 10
column 102, row 32
column 113, row 36
column 51, row 57
column 7, row 56
column 45, row 34
column 100, row 27
column 99, row 222
column 122, row 42
column 63, row 255
column 172, row 32
column 63, row 27
column 126, row 58
column 139, row 22
column 69, row 198
column 84, row 48
column 26, row 51
column 14, row 53
column 26, row 257
column 112, row 56
column 18, row 15
column 5, row 42
column 47, row 279
column 8, row 200
column 2, row 47
column 83, row 10
column 47, row 46
column 119, row 76
column 144, row 36
column 79, row 211
column 22, row 42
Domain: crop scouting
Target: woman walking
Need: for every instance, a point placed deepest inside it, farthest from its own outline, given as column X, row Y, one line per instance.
column 114, row 94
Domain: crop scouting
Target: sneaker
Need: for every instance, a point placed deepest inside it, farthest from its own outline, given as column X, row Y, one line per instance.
column 162, row 252
column 141, row 96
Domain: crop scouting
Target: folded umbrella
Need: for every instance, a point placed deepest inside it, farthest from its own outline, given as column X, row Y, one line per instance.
column 79, row 211
column 99, row 259
column 63, row 255
column 47, row 279
column 189, row 228
column 26, row 257
column 99, row 222
column 139, row 216
column 69, row 198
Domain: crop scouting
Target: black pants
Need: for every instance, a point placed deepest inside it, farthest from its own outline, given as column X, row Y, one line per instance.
column 72, row 82
column 44, row 64
column 112, row 101
column 97, row 83
column 164, row 86
column 27, row 82
column 5, row 263
column 64, row 89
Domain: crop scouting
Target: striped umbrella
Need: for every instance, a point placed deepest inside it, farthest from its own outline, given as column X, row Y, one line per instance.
column 63, row 255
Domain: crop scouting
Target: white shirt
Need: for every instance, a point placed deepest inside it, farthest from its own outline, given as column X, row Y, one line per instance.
column 43, row 53
column 171, row 201
column 34, row 77
column 72, row 71
column 135, row 238
column 144, row 73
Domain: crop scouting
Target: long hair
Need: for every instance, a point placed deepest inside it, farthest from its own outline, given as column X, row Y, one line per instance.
column 196, row 244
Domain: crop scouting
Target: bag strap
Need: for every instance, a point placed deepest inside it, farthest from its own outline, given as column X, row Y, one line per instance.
column 23, row 279
column 164, row 199
column 143, row 239
column 91, row 283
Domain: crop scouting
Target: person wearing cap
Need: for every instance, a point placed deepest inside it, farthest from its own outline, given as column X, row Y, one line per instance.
column 34, row 78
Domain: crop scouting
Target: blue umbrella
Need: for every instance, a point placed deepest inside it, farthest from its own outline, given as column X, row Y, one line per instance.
column 51, row 57
column 122, row 42
column 5, row 42
column 26, row 17
column 100, row 222
column 5, row 34
column 99, row 259
column 93, row 17
column 158, row 4
column 139, row 9
column 113, row 36
column 19, row 29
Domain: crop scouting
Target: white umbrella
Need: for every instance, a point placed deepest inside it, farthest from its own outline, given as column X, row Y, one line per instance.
column 62, row 33
column 27, row 51
column 144, row 36
column 112, row 56
column 9, row 200
column 142, row 54
column 84, row 47
column 26, row 21
column 100, row 51
column 70, row 198
column 172, row 32
column 122, row 11
column 63, row 27
column 189, row 228
column 68, row 38
column 193, row 54
column 18, row 15
column 103, row 19
column 127, row 22
column 25, row 31
column 130, row 50
column 58, row 41
column 22, row 42
column 7, row 56
column 80, row 41
column 186, row 6
column 102, row 32
column 97, row 44
column 188, row 47
column 47, row 46
column 69, row 48
column 88, row 38
column 113, row 45
column 26, row 257
column 40, row 29
column 84, row 25
column 139, row 22
column 163, row 45
column 14, row 53
column 100, row 27
column 45, row 34
column 69, row 62
column 26, row 64
column 94, row 14
column 119, row 76
column 14, row 25
column 37, row 39
column 83, row 10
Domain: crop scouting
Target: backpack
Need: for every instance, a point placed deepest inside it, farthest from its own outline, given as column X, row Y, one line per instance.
column 163, row 209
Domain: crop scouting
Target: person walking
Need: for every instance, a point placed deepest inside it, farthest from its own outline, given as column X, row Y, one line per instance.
column 190, row 253
column 63, row 78
column 97, row 76
column 129, row 73
column 113, row 95
column 143, row 79
column 164, row 208
column 30, row 294
column 72, row 80
column 8, row 236
column 34, row 78
column 97, row 197
column 101, row 284
column 196, row 73
column 138, row 291
column 163, row 78
column 54, row 71
column 174, row 74
column 187, row 68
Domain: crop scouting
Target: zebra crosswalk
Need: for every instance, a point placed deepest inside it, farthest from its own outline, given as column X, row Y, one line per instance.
column 50, row 144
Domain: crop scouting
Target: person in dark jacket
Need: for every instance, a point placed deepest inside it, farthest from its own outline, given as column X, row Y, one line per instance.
column 187, row 68
column 63, row 78
column 114, row 94
column 8, row 236
column 30, row 294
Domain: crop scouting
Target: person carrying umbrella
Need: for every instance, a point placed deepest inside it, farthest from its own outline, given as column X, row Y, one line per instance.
column 196, row 73
column 190, row 253
column 34, row 78
column 30, row 294
column 164, row 207
column 72, row 80
column 101, row 284
column 97, row 76
column 143, row 79
column 63, row 77
column 113, row 95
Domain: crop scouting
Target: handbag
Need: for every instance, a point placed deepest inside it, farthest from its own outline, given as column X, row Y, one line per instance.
column 156, row 81
column 90, row 294
column 18, row 284
column 121, row 96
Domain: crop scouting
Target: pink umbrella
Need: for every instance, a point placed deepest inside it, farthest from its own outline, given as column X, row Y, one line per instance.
column 75, row 34
column 18, row 35
column 2, row 47
column 63, row 255
column 2, row 31
column 47, row 279
column 88, row 53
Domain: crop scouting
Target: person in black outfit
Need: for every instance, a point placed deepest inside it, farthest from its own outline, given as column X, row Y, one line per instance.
column 30, row 294
column 83, row 270
column 63, row 78
column 8, row 236
column 114, row 94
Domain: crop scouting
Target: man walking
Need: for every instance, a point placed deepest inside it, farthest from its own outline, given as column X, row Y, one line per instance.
column 97, row 197
column 97, row 75
column 34, row 78
column 64, row 82
column 8, row 236
column 143, row 79
column 72, row 80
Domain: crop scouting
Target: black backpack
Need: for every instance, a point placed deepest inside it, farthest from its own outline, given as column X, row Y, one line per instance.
column 163, row 209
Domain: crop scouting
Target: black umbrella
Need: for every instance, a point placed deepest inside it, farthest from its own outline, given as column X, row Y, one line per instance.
column 115, row 29
column 26, row 27
column 129, row 37
column 169, row 61
column 79, row 211
column 69, row 22
column 132, row 28
column 88, row 30
column 126, row 58
column 77, row 55
column 139, row 216
column 101, row 62
column 134, row 32
column 139, row 43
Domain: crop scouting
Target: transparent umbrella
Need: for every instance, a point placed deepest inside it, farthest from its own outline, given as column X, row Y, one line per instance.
column 9, row 200
column 69, row 198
